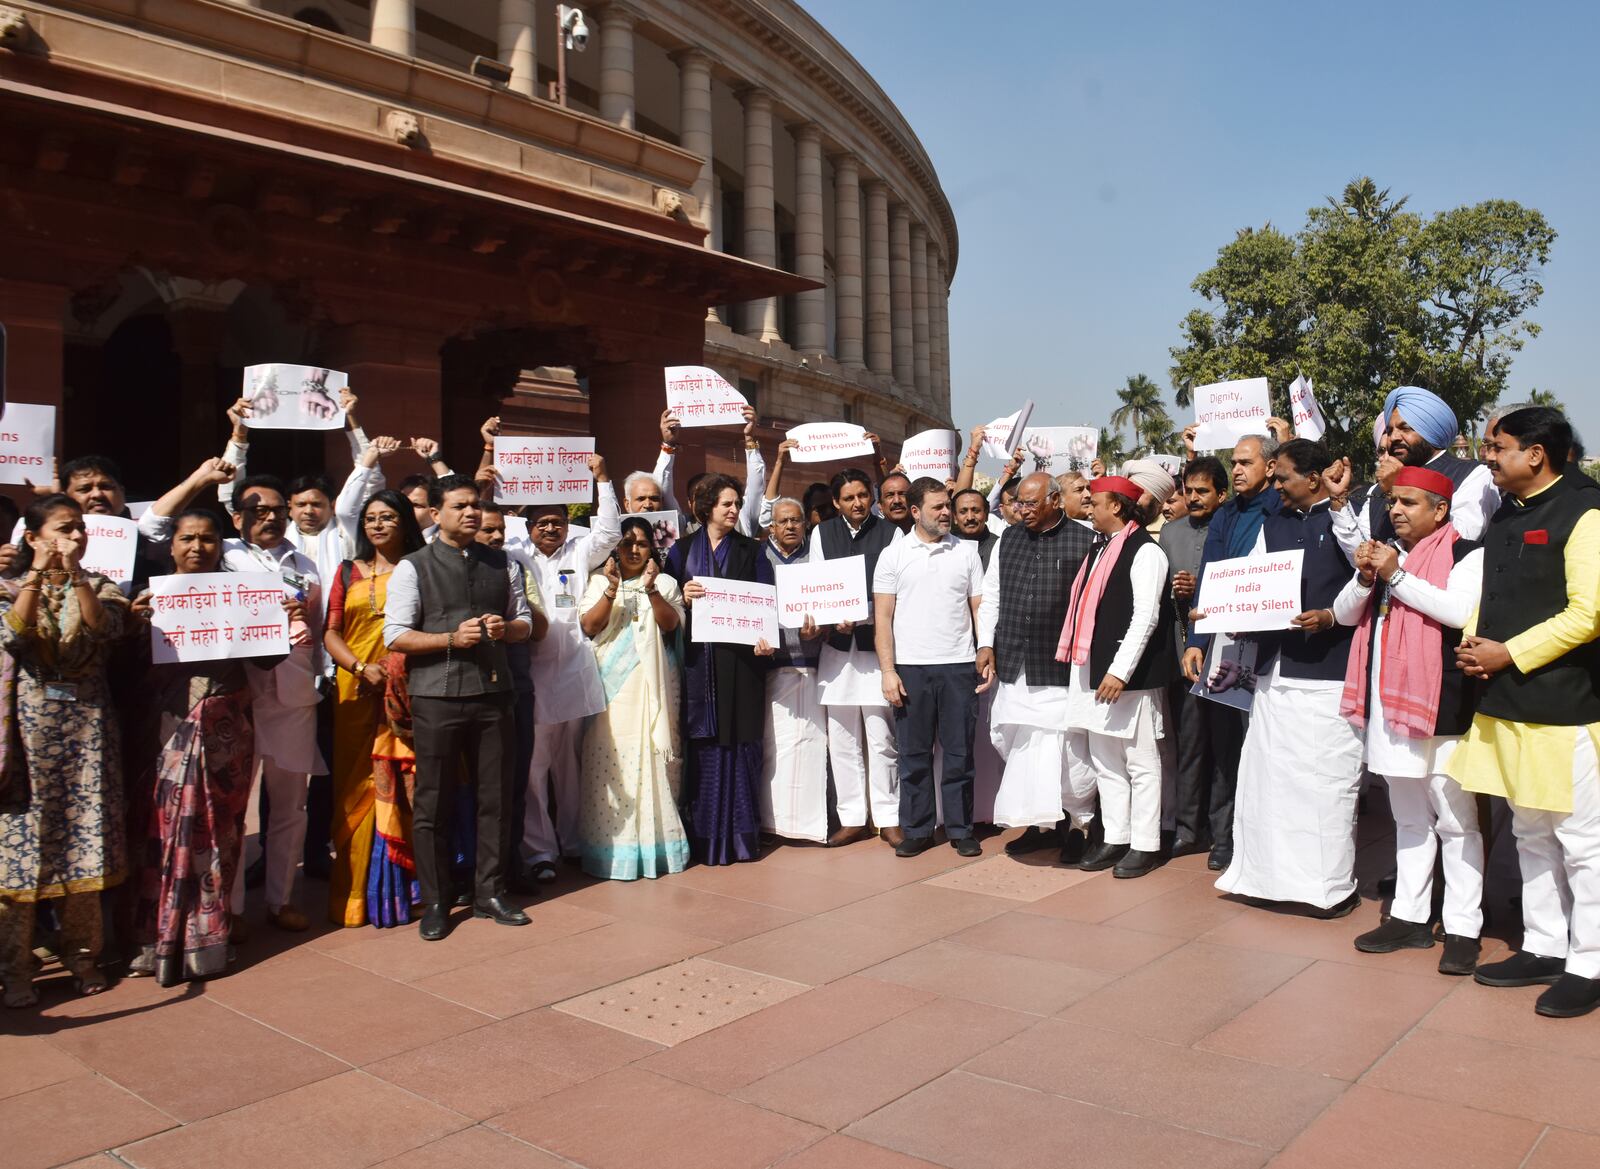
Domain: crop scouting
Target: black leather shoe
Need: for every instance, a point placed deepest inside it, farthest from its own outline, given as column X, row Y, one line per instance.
column 500, row 911
column 1460, row 954
column 1181, row 846
column 1396, row 934
column 1221, row 857
column 1522, row 969
column 1032, row 840
column 435, row 922
column 967, row 846
column 1343, row 909
column 1073, row 845
column 1135, row 863
column 913, row 846
column 1571, row 996
column 1102, row 856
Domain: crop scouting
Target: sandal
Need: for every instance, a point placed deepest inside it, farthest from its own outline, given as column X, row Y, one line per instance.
column 19, row 993
column 90, row 979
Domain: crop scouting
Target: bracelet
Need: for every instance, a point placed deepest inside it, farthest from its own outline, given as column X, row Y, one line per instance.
column 609, row 595
column 449, row 641
column 668, row 448
column 488, row 449
column 1399, row 575
column 751, row 444
column 651, row 592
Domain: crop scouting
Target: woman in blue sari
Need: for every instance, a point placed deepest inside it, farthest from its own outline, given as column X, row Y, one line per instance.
column 724, row 687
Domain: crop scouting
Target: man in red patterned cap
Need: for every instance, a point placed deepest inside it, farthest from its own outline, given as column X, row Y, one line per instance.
column 1404, row 688
column 1117, row 639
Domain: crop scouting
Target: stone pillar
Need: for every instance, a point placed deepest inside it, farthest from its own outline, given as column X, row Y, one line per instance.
column 694, row 124
column 847, row 259
column 942, row 289
column 394, row 26
column 518, row 41
column 760, row 214
column 616, row 65
column 900, row 294
column 880, row 339
column 811, row 308
column 936, row 342
column 921, row 325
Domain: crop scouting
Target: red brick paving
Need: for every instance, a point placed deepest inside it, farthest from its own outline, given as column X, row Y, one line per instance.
column 1127, row 1024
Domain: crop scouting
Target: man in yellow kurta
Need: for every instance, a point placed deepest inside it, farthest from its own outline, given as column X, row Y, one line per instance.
column 1534, row 739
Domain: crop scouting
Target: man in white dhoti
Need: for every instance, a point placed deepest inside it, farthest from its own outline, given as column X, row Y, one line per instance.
column 1116, row 642
column 1404, row 685
column 794, row 794
column 1300, row 770
column 566, row 680
column 1026, row 592
column 861, row 734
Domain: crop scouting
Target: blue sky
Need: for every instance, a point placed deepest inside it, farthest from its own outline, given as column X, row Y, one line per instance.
column 1098, row 155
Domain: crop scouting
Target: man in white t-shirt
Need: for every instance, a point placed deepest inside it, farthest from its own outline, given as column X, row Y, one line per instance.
column 926, row 590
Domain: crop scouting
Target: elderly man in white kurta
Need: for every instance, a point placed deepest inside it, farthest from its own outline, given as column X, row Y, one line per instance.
column 566, row 680
column 1026, row 593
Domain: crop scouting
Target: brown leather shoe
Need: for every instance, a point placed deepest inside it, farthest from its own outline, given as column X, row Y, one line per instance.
column 289, row 918
column 891, row 836
column 848, row 835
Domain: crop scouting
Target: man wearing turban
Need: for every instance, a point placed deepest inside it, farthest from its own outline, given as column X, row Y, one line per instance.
column 1421, row 426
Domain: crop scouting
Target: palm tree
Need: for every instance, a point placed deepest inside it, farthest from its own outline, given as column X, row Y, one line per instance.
column 1545, row 398
column 1139, row 399
column 1111, row 452
column 1158, row 436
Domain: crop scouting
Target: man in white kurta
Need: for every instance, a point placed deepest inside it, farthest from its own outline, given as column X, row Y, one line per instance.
column 566, row 680
column 794, row 788
column 1432, row 814
column 1026, row 593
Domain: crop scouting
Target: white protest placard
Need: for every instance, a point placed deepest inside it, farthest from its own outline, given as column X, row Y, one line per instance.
column 824, row 442
column 517, row 535
column 1250, row 593
column 665, row 528
column 1057, row 449
column 737, row 611
column 138, row 509
column 543, row 470
column 1171, row 464
column 293, row 397
column 1002, row 436
column 1304, row 413
column 703, row 397
column 1227, row 411
column 27, row 443
column 931, row 453
column 831, row 591
column 113, row 543
column 203, row 616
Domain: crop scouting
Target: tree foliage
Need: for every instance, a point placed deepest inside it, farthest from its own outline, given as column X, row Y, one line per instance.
column 1369, row 295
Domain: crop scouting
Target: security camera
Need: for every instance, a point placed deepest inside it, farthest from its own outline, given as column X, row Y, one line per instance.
column 573, row 29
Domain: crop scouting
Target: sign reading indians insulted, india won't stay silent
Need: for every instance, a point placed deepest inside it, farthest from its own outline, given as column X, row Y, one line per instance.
column 1250, row 593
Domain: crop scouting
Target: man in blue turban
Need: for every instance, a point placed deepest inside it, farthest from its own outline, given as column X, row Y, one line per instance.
column 1420, row 428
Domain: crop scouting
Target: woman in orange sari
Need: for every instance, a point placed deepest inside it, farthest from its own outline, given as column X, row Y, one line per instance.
column 354, row 639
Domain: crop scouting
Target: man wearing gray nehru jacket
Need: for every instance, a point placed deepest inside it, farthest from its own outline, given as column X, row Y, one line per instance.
column 451, row 608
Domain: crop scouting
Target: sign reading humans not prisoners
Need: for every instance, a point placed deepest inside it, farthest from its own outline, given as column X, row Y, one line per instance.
column 830, row 591
column 293, row 397
column 203, row 616
column 27, row 443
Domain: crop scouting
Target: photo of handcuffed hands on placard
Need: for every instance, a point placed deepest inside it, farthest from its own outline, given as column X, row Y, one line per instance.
column 293, row 397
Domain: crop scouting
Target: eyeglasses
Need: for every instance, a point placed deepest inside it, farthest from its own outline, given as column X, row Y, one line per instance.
column 267, row 512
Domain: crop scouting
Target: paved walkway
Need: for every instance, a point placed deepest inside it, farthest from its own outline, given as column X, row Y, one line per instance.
column 818, row 1010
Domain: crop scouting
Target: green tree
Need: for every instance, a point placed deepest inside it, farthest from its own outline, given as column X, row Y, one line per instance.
column 1545, row 398
column 1111, row 451
column 1138, row 400
column 1158, row 436
column 1369, row 295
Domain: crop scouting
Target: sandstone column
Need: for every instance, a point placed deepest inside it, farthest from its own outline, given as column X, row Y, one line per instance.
column 760, row 216
column 847, row 259
column 942, row 288
column 616, row 65
column 880, row 340
column 936, row 341
column 694, row 135
column 394, row 26
column 811, row 308
column 921, row 324
column 517, row 41
column 900, row 294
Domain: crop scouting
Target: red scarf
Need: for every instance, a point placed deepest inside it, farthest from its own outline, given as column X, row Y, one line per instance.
column 1411, row 667
column 1078, row 632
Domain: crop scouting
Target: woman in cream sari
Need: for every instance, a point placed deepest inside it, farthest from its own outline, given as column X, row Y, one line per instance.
column 629, row 825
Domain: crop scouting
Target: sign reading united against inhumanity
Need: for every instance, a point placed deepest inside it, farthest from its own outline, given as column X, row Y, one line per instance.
column 737, row 611
column 931, row 453
column 1225, row 412
column 822, row 442
column 1250, row 593
column 703, row 397
column 544, row 470
column 830, row 591
column 293, row 397
column 202, row 616
column 27, row 443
